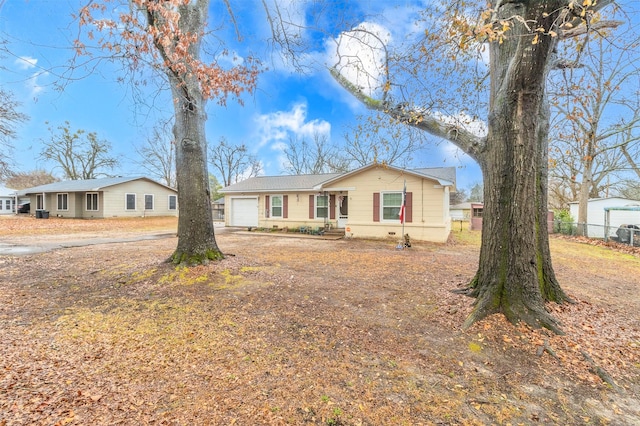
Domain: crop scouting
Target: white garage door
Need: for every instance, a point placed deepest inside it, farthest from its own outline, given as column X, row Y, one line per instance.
column 244, row 212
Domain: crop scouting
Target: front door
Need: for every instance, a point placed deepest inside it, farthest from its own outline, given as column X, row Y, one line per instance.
column 343, row 210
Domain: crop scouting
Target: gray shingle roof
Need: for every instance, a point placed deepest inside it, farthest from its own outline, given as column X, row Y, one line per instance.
column 440, row 173
column 81, row 185
column 444, row 175
column 7, row 192
column 280, row 183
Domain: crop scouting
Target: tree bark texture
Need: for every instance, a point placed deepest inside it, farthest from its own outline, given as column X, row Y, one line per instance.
column 515, row 274
column 196, row 238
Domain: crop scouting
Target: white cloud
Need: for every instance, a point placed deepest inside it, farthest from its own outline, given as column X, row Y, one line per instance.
column 360, row 55
column 274, row 129
column 230, row 58
column 33, row 83
column 471, row 124
column 26, row 62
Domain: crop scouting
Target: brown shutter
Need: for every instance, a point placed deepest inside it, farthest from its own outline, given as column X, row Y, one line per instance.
column 266, row 206
column 332, row 206
column 376, row 207
column 408, row 204
column 285, row 206
column 312, row 213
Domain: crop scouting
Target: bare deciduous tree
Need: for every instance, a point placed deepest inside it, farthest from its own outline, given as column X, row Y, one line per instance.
column 313, row 157
column 380, row 140
column 9, row 118
column 158, row 155
column 23, row 180
column 233, row 162
column 79, row 154
column 587, row 145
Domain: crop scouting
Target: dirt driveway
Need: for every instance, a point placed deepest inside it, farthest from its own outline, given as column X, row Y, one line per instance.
column 296, row 331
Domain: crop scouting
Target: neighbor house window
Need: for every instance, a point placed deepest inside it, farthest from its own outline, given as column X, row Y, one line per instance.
column 391, row 203
column 63, row 201
column 276, row 206
column 92, row 201
column 130, row 203
column 148, row 201
column 322, row 206
column 39, row 202
column 173, row 202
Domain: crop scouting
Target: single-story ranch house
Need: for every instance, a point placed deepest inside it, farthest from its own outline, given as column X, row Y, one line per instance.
column 365, row 202
column 102, row 198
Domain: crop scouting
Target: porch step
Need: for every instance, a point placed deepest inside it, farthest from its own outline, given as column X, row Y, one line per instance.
column 335, row 231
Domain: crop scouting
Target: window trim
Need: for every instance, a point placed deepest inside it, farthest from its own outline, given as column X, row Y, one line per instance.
column 135, row 201
column 382, row 206
column 153, row 202
column 281, row 206
column 65, row 198
column 86, row 203
column 316, row 206
column 175, row 206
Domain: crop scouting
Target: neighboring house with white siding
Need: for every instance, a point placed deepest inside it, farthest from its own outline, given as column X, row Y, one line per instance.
column 103, row 198
column 8, row 200
column 596, row 214
column 365, row 202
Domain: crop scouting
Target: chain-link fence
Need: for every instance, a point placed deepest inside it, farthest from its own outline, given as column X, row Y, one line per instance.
column 626, row 234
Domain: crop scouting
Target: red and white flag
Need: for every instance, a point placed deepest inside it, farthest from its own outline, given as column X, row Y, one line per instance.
column 402, row 207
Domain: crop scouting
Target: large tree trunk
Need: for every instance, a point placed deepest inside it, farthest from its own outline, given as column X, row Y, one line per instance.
column 196, row 239
column 515, row 275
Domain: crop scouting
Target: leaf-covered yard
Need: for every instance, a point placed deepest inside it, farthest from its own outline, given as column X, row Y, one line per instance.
column 301, row 331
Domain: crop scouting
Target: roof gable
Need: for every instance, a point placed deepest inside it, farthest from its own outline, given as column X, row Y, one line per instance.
column 445, row 176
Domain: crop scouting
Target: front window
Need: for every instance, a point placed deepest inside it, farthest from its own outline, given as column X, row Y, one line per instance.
column 173, row 202
column 391, row 203
column 322, row 206
column 148, row 201
column 276, row 206
column 63, row 201
column 130, row 203
column 92, row 201
column 39, row 202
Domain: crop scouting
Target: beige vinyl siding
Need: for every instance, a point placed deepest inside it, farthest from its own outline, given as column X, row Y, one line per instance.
column 113, row 201
column 297, row 211
column 429, row 213
column 429, row 210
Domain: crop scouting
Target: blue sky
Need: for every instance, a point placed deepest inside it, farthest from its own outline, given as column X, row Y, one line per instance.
column 286, row 104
